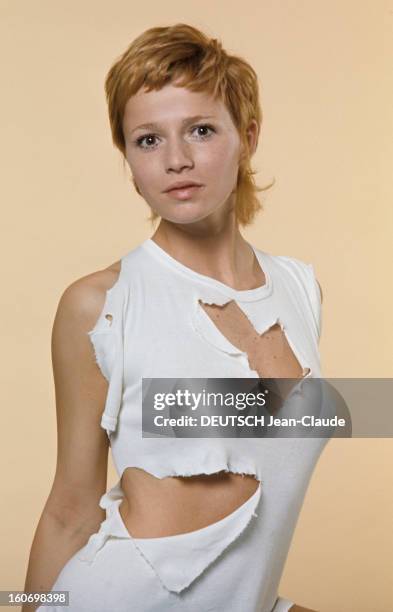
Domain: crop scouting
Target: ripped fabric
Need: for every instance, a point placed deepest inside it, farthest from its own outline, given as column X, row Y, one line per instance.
column 179, row 559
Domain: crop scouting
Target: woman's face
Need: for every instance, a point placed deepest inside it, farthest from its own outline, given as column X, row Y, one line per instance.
column 190, row 137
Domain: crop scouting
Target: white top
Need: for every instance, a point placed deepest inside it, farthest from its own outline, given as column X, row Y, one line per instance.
column 159, row 330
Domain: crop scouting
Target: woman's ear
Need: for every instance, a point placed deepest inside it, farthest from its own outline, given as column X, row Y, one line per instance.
column 252, row 136
column 251, row 139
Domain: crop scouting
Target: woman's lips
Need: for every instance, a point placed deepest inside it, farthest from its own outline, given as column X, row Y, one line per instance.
column 184, row 193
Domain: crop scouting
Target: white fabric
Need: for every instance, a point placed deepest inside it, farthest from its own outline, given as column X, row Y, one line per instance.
column 119, row 578
column 159, row 330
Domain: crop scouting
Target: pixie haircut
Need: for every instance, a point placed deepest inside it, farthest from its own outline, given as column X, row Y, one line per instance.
column 185, row 55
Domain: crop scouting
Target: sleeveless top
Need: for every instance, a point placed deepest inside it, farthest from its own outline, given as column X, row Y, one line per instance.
column 152, row 326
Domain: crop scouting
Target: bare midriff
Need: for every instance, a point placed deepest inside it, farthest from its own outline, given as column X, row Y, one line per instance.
column 157, row 507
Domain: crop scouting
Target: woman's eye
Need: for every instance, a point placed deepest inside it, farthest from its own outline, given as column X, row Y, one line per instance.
column 140, row 140
column 204, row 127
column 147, row 139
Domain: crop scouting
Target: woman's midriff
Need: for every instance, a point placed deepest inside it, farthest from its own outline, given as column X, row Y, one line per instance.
column 154, row 507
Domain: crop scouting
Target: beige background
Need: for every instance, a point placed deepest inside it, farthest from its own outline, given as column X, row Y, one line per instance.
column 70, row 209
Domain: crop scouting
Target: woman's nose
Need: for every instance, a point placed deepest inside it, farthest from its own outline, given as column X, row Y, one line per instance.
column 178, row 155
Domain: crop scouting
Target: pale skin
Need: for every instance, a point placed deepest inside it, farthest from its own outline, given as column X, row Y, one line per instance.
column 202, row 233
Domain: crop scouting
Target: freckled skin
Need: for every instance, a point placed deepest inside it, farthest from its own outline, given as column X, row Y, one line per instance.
column 261, row 349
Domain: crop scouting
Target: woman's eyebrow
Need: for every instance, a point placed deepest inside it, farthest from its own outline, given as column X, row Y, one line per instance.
column 154, row 126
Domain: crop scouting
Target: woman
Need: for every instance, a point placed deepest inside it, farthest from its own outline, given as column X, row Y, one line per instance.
column 196, row 523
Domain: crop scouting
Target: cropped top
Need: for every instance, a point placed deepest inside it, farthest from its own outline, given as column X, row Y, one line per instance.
column 157, row 329
column 153, row 326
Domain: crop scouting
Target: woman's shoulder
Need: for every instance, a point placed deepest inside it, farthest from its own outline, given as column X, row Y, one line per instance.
column 82, row 301
column 284, row 261
column 299, row 269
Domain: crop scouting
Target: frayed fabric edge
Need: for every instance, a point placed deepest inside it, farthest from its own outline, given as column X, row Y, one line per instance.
column 178, row 580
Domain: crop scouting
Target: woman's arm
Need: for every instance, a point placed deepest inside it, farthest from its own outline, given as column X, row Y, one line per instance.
column 71, row 513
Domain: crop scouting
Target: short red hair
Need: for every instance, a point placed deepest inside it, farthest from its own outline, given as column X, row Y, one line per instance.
column 184, row 54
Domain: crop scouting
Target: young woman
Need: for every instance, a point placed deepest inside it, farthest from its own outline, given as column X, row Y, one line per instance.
column 203, row 523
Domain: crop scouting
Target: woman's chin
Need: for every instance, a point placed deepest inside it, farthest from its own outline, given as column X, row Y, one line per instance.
column 184, row 212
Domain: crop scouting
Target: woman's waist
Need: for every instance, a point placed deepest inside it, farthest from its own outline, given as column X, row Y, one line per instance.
column 159, row 507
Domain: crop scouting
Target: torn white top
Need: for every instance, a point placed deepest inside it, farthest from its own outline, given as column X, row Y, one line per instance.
column 159, row 330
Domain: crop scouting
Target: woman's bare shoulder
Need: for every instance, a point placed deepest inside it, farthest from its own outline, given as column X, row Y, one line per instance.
column 95, row 282
column 83, row 299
